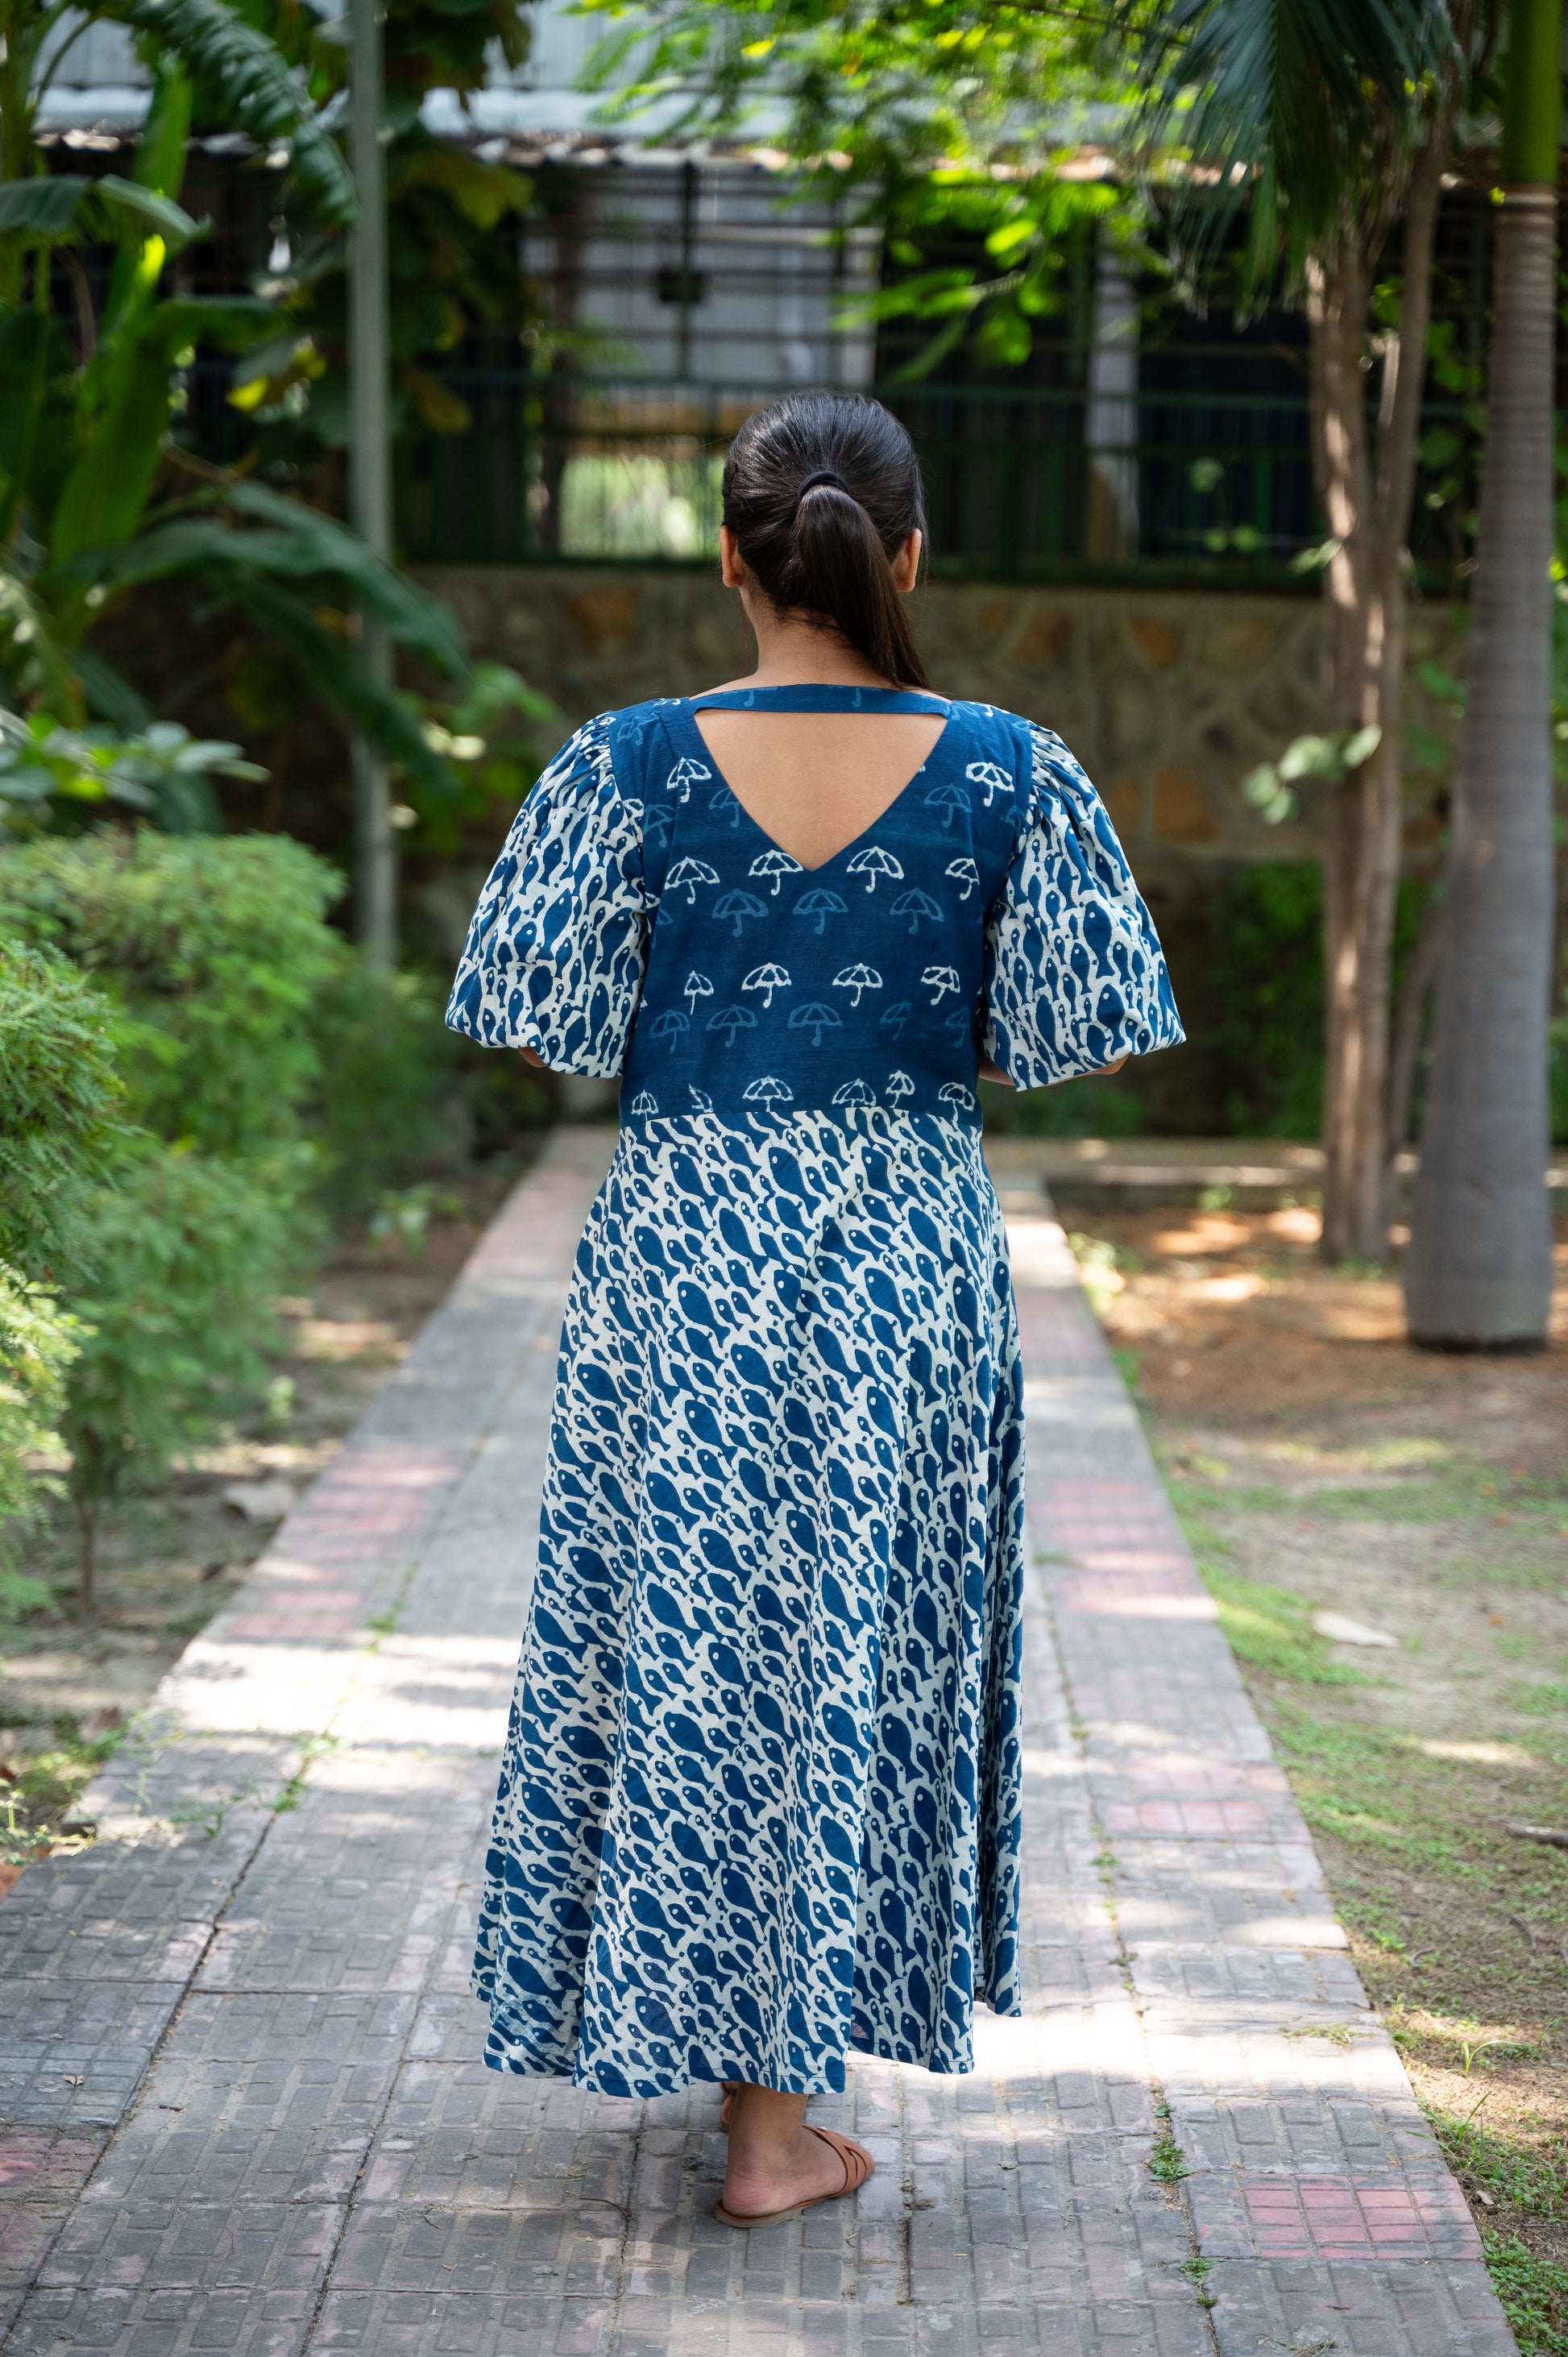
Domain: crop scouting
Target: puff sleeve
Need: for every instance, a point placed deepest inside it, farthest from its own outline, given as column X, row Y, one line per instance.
column 1075, row 974
column 555, row 953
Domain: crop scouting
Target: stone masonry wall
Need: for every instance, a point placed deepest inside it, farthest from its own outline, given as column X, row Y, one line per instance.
column 1168, row 698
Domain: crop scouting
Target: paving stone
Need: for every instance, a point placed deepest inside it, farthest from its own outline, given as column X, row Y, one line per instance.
column 244, row 2026
column 245, row 2128
column 71, row 2054
column 572, row 2249
column 461, row 2324
column 42, row 2173
column 457, row 2134
column 177, row 2275
column 1386, row 2215
column 1223, row 1893
column 355, row 1885
column 179, row 1821
column 1356, row 2308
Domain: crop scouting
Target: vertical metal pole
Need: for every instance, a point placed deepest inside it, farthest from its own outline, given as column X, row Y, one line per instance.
column 686, row 282
column 370, row 471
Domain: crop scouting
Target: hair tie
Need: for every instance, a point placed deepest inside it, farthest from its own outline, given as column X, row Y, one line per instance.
column 823, row 475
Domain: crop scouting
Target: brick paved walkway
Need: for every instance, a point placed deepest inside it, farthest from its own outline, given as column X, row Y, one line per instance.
column 242, row 2108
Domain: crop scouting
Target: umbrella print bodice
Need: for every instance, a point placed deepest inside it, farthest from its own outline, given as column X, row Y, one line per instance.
column 776, row 988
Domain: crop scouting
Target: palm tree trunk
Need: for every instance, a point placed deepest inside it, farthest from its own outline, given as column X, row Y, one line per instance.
column 1478, row 1274
column 1365, row 639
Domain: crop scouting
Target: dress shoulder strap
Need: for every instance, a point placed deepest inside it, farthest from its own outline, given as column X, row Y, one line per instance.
column 820, row 697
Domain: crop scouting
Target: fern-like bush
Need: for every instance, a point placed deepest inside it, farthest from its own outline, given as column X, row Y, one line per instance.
column 212, row 951
column 160, row 1003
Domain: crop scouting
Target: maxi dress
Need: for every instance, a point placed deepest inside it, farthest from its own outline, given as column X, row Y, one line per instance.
column 759, row 1801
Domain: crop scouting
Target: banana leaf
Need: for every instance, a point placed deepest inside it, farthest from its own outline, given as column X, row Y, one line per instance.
column 33, row 667
column 104, row 493
column 301, row 545
column 44, row 209
column 260, row 91
column 111, row 696
column 38, row 438
column 159, row 171
column 341, row 678
column 410, row 613
column 102, row 499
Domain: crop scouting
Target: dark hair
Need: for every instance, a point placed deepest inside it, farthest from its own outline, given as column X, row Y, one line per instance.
column 820, row 490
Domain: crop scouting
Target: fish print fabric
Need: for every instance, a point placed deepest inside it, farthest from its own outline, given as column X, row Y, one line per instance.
column 760, row 1804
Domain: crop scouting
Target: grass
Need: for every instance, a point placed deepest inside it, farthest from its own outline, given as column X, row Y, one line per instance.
column 1165, row 2160
column 1460, row 1492
column 1517, row 2175
column 1267, row 1627
column 1533, row 2292
column 36, row 1798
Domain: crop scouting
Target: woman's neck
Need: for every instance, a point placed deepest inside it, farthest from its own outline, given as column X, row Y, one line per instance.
column 791, row 653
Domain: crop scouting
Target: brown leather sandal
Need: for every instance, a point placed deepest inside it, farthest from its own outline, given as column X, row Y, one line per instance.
column 858, row 2165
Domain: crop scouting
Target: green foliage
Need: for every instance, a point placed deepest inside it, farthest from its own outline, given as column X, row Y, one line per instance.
column 381, row 1109
column 247, row 75
column 214, row 950
column 1272, row 1629
column 286, row 542
column 1167, row 2159
column 1304, row 116
column 45, row 767
column 58, row 1099
column 87, row 442
column 1534, row 2295
column 1266, row 977
column 1523, row 2175
column 174, row 1269
column 454, row 265
column 38, row 1341
column 201, row 961
column 943, row 122
column 1271, row 788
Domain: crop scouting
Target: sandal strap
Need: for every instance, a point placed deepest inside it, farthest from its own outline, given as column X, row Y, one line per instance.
column 857, row 2162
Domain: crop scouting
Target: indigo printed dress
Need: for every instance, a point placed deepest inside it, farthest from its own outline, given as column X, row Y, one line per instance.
column 760, row 1803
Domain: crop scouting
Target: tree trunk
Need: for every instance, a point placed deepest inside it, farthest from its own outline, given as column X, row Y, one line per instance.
column 1365, row 650
column 1480, row 1270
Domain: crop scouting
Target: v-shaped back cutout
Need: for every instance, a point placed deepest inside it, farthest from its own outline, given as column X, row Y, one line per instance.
column 812, row 750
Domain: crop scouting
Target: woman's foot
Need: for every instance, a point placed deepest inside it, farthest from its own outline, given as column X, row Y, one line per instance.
column 777, row 2164
column 731, row 2089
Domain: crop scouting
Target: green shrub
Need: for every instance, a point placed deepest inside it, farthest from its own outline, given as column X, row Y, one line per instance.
column 59, row 1101
column 1267, row 981
column 383, row 1107
column 38, row 1341
column 198, row 965
column 175, row 1264
column 216, row 952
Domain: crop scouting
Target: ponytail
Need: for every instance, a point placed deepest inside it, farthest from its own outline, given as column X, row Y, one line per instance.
column 820, row 491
